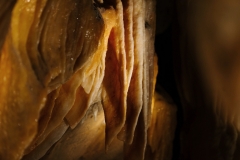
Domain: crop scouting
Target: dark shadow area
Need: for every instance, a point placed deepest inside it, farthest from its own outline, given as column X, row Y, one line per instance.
column 166, row 80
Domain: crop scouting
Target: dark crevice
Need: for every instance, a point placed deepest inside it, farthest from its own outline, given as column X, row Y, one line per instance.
column 166, row 80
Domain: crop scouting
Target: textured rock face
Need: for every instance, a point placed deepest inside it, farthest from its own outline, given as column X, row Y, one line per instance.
column 208, row 78
column 63, row 63
column 77, row 79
